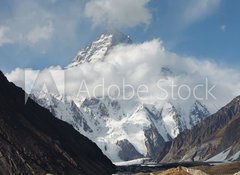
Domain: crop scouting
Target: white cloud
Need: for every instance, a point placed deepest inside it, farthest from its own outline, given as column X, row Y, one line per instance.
column 197, row 10
column 28, row 24
column 142, row 64
column 36, row 23
column 40, row 33
column 182, row 14
column 223, row 28
column 120, row 13
column 53, row 1
column 3, row 35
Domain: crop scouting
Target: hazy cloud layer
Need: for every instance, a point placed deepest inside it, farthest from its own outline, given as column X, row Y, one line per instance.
column 223, row 28
column 3, row 38
column 197, row 10
column 27, row 18
column 32, row 22
column 40, row 33
column 119, row 13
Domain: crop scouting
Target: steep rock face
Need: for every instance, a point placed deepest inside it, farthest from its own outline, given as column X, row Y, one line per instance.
column 216, row 135
column 99, row 48
column 35, row 142
column 198, row 113
column 154, row 142
column 128, row 151
column 231, row 139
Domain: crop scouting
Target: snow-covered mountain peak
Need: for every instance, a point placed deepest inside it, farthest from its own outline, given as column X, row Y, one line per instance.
column 98, row 49
column 117, row 37
column 123, row 129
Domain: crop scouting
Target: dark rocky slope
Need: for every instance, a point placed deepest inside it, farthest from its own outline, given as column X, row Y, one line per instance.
column 32, row 141
column 215, row 134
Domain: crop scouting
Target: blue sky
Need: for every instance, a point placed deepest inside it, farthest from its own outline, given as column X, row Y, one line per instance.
column 38, row 34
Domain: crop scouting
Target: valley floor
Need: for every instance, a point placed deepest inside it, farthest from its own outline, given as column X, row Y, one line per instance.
column 223, row 169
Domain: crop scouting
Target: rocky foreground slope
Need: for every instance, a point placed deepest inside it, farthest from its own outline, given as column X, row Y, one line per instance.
column 32, row 141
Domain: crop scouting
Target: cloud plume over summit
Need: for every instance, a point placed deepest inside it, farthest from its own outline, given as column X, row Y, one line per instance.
column 148, row 64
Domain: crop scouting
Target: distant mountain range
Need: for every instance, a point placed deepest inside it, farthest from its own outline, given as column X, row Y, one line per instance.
column 216, row 138
column 33, row 141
